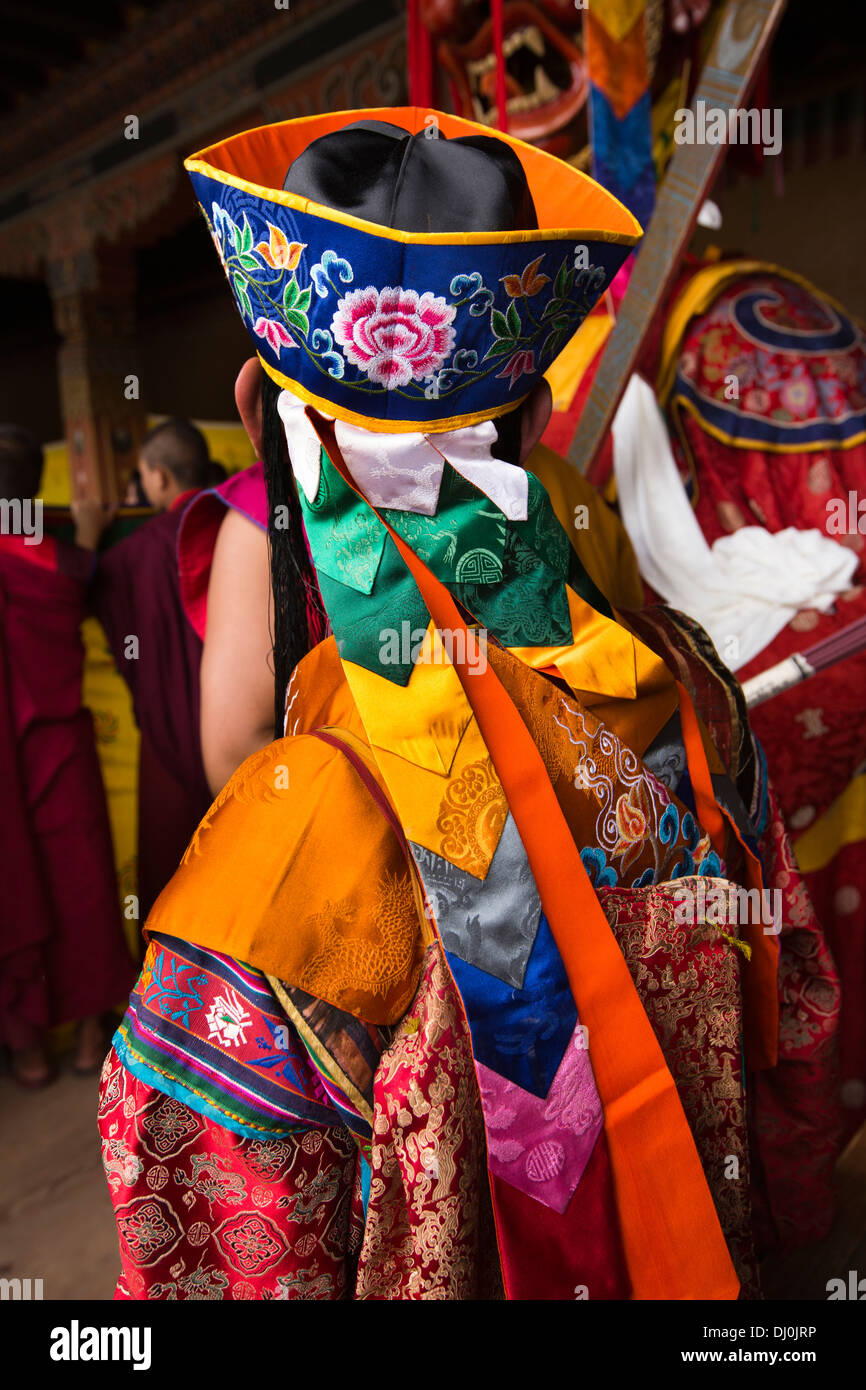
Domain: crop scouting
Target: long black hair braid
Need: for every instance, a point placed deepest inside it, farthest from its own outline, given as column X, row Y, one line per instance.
column 299, row 616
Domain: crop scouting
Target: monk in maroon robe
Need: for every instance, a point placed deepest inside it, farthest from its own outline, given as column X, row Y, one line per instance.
column 136, row 596
column 63, row 955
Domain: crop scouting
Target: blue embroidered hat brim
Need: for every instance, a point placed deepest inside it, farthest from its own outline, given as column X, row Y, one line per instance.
column 405, row 331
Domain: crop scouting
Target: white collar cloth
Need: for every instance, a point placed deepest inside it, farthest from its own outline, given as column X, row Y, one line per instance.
column 404, row 471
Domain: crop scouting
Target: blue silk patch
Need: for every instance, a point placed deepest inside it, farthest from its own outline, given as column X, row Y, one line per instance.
column 520, row 1033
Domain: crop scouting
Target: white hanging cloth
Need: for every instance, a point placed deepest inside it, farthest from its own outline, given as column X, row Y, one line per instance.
column 746, row 587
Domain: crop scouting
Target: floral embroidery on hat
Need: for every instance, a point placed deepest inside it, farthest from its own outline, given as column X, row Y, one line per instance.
column 274, row 333
column 430, row 353
column 278, row 251
column 528, row 283
column 394, row 335
column 518, row 365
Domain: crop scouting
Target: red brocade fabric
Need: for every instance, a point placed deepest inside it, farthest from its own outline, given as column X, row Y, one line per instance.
column 794, row 1115
column 203, row 1213
column 689, row 978
column 429, row 1232
column 797, row 1121
column 814, row 735
column 839, row 893
column 751, row 487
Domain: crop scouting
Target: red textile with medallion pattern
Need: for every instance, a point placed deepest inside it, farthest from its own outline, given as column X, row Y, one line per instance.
column 203, row 1213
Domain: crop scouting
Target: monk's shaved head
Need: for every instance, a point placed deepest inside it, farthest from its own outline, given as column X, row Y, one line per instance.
column 181, row 449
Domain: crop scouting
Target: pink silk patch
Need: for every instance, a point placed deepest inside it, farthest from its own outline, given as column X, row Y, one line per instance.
column 542, row 1144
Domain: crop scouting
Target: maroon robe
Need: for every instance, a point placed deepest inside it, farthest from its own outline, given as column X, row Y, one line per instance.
column 63, row 954
column 136, row 593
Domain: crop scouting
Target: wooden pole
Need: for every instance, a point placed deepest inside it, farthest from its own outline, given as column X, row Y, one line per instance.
column 741, row 42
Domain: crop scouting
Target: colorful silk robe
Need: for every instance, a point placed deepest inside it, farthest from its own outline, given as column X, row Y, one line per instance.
column 397, row 1095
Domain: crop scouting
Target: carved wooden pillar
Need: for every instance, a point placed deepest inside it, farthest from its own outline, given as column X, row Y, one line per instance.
column 93, row 293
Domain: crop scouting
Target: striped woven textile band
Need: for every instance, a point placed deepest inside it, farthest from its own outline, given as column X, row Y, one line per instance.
column 210, row 1032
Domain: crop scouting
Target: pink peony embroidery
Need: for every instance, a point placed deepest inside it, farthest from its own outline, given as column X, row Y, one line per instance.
column 394, row 335
column 274, row 333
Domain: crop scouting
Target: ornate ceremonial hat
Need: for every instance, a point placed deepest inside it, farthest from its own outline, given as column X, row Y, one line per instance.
column 400, row 331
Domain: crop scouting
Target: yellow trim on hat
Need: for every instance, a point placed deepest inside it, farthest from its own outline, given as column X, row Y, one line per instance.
column 391, row 426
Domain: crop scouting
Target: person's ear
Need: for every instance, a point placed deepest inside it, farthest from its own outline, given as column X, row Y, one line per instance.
column 165, row 482
column 248, row 399
column 534, row 417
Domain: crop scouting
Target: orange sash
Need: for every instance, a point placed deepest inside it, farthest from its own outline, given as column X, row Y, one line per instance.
column 673, row 1242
